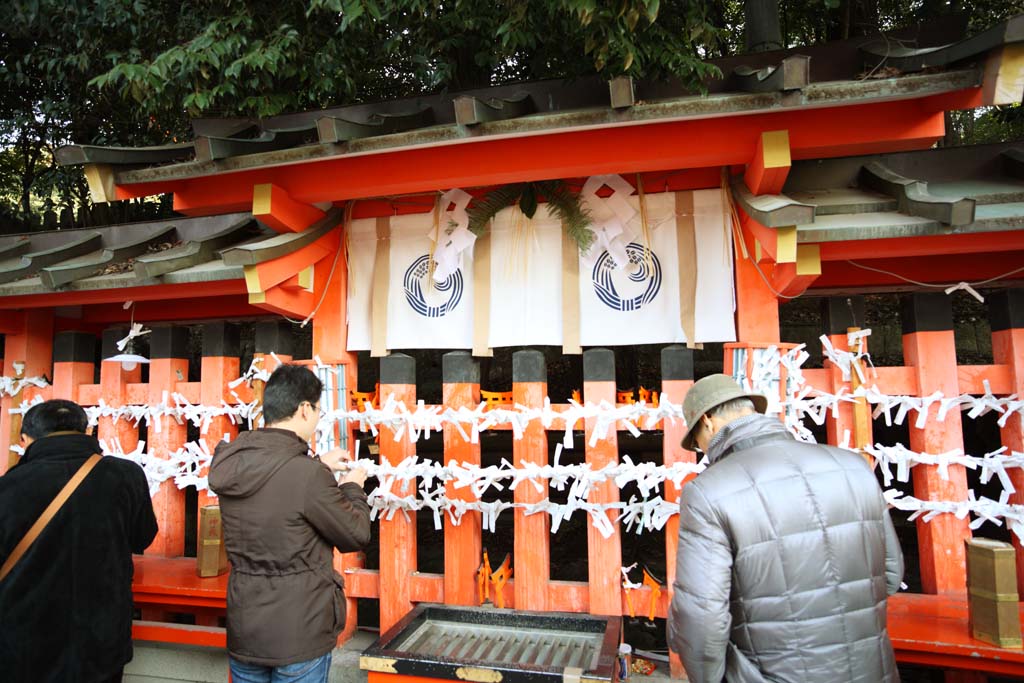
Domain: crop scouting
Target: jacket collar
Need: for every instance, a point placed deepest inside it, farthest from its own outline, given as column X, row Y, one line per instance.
column 61, row 446
column 743, row 433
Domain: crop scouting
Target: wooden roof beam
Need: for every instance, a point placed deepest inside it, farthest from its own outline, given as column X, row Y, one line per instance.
column 276, row 209
column 192, row 252
column 80, row 245
column 778, row 244
column 335, row 129
column 212, row 148
column 263, row 276
column 71, row 155
column 793, row 279
column 622, row 92
column 914, row 198
column 64, row 273
column 1003, row 82
column 772, row 210
column 792, row 73
column 470, row 111
column 767, row 170
column 909, row 60
column 281, row 245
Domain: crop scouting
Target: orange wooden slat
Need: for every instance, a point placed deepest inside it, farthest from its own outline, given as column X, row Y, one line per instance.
column 362, row 583
column 531, row 555
column 68, row 377
column 673, row 452
column 427, row 588
column 181, row 634
column 215, row 373
column 971, row 378
column 837, row 428
column 463, row 542
column 162, row 442
column 604, row 554
column 1008, row 347
column 33, row 346
column 114, row 391
column 398, row 534
column 895, row 381
column 932, row 355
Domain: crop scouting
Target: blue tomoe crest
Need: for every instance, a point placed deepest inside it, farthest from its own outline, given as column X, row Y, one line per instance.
column 648, row 270
column 412, row 283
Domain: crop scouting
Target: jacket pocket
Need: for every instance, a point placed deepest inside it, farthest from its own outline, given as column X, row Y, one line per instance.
column 339, row 602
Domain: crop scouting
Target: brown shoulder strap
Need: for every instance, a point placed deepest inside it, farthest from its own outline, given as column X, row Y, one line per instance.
column 30, row 537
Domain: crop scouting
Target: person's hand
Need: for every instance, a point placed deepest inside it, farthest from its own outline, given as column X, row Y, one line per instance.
column 354, row 476
column 337, row 460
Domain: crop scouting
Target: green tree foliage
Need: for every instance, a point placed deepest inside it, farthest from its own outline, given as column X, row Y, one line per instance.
column 133, row 72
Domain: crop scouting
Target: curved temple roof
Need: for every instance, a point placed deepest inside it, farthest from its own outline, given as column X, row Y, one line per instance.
column 826, row 75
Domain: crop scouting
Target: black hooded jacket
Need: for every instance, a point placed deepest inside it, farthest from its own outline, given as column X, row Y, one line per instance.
column 66, row 608
column 283, row 514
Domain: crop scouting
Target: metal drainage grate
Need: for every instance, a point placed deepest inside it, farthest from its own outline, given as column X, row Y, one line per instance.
column 500, row 645
column 475, row 645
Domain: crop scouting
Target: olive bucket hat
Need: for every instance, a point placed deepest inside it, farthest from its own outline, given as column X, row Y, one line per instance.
column 711, row 392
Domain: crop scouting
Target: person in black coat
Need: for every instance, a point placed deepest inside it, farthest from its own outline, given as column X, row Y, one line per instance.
column 66, row 606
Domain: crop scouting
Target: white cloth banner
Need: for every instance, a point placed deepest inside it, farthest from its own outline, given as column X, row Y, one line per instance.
column 639, row 304
column 635, row 304
column 362, row 249
column 716, row 295
column 423, row 313
column 526, row 279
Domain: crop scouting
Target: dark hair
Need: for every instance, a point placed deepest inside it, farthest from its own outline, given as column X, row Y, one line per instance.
column 57, row 415
column 289, row 387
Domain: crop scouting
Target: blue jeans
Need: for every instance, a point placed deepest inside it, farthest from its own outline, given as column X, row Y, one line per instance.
column 310, row 671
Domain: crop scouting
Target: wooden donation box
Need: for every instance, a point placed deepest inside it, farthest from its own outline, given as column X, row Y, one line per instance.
column 211, row 555
column 992, row 592
column 446, row 643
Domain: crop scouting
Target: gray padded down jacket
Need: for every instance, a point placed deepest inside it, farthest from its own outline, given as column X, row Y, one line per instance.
column 786, row 557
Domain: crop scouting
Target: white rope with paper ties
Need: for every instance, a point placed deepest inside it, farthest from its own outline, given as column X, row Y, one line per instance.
column 610, row 216
column 10, row 386
column 449, row 246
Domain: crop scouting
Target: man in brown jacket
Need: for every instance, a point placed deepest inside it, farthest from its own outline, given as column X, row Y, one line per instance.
column 283, row 515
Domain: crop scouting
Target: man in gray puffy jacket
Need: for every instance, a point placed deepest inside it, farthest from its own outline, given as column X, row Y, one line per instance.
column 786, row 553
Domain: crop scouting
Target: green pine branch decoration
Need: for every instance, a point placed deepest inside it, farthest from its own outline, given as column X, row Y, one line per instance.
column 562, row 201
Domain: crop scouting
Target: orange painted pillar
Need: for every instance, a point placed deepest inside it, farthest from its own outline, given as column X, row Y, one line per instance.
column 604, row 555
column 531, row 550
column 929, row 346
column 32, row 347
column 398, row 534
column 168, row 366
column 757, row 307
column 114, row 381
column 330, row 344
column 74, row 363
column 460, row 374
column 219, row 365
column 676, row 380
column 1006, row 316
column 838, row 314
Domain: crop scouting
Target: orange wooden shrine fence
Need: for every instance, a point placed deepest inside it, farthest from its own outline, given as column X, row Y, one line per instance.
column 929, row 351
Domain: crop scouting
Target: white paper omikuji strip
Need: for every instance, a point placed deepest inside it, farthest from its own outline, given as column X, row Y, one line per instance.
column 984, row 509
column 9, row 386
